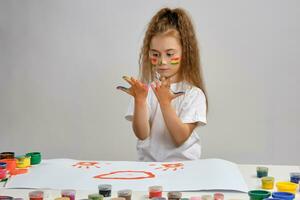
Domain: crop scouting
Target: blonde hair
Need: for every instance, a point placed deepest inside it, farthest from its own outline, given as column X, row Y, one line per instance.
column 177, row 23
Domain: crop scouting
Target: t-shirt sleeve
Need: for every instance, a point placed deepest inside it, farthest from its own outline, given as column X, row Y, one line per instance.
column 194, row 107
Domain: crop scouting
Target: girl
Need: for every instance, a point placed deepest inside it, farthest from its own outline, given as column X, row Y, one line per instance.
column 169, row 100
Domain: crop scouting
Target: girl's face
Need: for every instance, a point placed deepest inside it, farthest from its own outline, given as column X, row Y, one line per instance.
column 165, row 56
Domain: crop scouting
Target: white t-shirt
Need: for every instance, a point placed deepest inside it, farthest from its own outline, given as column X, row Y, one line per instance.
column 159, row 146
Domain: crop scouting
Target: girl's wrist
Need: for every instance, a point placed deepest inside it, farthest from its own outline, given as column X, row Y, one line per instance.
column 165, row 103
column 139, row 100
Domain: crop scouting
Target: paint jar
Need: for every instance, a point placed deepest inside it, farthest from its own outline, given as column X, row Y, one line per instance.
column 286, row 187
column 259, row 194
column 6, row 198
column 68, row 193
column 36, row 195
column 11, row 164
column 118, row 198
column 125, row 194
column 267, row 182
column 218, row 196
column 23, row 161
column 155, row 191
column 283, row 195
column 295, row 177
column 195, row 198
column 174, row 195
column 3, row 165
column 105, row 190
column 3, row 173
column 261, row 172
column 207, row 197
column 7, row 155
column 35, row 157
column 95, row 196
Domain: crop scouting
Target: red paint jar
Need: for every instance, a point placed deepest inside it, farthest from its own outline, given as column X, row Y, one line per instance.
column 36, row 195
column 155, row 191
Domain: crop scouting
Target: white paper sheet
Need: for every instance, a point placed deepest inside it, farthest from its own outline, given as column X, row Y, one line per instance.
column 205, row 174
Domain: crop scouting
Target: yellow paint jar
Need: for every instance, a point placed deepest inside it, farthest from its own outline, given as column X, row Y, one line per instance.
column 286, row 187
column 23, row 161
column 267, row 182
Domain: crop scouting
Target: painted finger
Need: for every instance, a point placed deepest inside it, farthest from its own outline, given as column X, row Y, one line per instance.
column 128, row 79
column 177, row 94
column 124, row 89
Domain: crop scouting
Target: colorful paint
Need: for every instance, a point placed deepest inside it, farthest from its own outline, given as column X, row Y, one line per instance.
column 261, row 172
column 155, row 191
column 283, row 195
column 68, row 193
column 207, row 197
column 259, row 194
column 174, row 195
column 295, row 177
column 3, row 173
column 86, row 165
column 23, row 161
column 267, row 182
column 172, row 166
column 35, row 157
column 105, row 190
column 36, row 195
column 125, row 194
column 7, row 155
column 95, row 196
column 218, row 196
column 154, row 61
column 3, row 165
column 175, row 61
column 126, row 175
column 286, row 187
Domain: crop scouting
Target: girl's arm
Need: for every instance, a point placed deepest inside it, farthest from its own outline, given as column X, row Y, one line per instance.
column 140, row 123
column 179, row 131
column 139, row 91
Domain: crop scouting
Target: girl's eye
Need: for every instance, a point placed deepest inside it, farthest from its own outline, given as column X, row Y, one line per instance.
column 154, row 54
column 170, row 54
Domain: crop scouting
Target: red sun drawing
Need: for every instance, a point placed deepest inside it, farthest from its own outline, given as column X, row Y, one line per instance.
column 86, row 165
column 126, row 175
column 170, row 166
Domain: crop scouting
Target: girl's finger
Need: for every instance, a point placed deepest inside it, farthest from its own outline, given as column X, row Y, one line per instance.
column 157, row 83
column 124, row 89
column 128, row 79
column 177, row 94
column 153, row 86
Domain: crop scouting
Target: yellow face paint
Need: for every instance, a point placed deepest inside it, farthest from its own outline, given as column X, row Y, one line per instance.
column 175, row 61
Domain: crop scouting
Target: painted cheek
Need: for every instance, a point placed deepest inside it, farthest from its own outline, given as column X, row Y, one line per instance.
column 175, row 61
column 154, row 61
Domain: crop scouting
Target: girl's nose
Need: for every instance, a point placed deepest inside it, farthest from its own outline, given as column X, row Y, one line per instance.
column 163, row 61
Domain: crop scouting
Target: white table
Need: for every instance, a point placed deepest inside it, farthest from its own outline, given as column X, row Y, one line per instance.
column 281, row 173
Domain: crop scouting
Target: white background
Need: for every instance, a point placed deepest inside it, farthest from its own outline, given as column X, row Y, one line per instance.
column 60, row 62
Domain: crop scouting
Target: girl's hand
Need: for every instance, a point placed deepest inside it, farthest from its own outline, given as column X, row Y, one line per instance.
column 162, row 91
column 138, row 89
